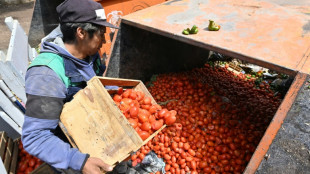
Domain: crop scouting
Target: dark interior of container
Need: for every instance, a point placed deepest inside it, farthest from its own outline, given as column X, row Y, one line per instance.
column 140, row 54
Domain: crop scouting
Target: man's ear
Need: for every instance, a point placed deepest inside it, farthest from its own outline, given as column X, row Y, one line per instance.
column 80, row 33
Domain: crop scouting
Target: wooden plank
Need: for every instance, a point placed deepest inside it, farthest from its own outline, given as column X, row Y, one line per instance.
column 9, row 126
column 2, row 169
column 3, row 142
column 11, row 79
column 13, row 112
column 14, row 158
column 118, row 82
column 97, row 126
column 63, row 128
column 43, row 169
column 94, row 124
column 17, row 53
column 8, row 154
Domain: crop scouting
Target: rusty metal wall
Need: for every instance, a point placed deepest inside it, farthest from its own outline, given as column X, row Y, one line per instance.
column 260, row 32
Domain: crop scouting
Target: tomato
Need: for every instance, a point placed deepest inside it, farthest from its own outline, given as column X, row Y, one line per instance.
column 117, row 98
column 162, row 113
column 152, row 119
column 133, row 95
column 147, row 101
column 167, row 157
column 134, row 162
column 170, row 120
column 133, row 122
column 152, row 109
column 120, row 91
column 144, row 135
column 146, row 126
column 31, row 162
column 140, row 95
column 142, row 118
column 144, row 112
column 23, row 166
column 157, row 125
column 141, row 156
column 167, row 167
column 134, row 112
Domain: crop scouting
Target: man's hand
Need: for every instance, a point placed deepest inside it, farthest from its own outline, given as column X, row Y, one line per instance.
column 93, row 166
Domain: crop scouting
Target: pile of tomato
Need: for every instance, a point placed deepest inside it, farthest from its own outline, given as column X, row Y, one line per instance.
column 26, row 162
column 221, row 117
column 144, row 117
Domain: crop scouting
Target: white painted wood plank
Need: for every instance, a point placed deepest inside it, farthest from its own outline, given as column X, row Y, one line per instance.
column 9, row 126
column 13, row 112
column 2, row 168
column 32, row 53
column 17, row 55
column 9, row 22
column 11, row 79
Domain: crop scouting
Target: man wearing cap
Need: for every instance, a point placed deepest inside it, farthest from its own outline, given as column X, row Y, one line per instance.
column 66, row 62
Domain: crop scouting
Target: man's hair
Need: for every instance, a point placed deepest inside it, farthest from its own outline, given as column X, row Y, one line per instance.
column 69, row 30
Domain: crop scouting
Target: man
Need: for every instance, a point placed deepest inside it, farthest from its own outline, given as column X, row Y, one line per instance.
column 63, row 68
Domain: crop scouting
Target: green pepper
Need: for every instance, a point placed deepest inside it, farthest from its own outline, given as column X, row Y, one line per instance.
column 196, row 31
column 212, row 26
column 193, row 30
column 185, row 32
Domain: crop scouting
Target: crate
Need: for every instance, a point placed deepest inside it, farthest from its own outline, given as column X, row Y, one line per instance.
column 8, row 152
column 94, row 124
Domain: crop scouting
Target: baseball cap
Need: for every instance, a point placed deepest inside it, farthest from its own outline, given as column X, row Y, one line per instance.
column 73, row 11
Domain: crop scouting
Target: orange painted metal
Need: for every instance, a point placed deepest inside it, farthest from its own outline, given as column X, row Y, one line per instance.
column 259, row 32
column 122, row 7
column 275, row 124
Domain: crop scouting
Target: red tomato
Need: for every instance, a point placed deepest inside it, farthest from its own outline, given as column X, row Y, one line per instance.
column 23, row 166
column 141, row 156
column 157, row 125
column 134, row 112
column 152, row 119
column 120, row 91
column 147, row 101
column 140, row 95
column 162, row 113
column 153, row 109
column 170, row 120
column 117, row 98
column 31, row 162
column 133, row 95
column 146, row 126
column 144, row 135
column 142, row 118
column 133, row 122
column 126, row 93
column 134, row 162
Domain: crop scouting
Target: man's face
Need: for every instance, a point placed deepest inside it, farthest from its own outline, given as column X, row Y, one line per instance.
column 91, row 46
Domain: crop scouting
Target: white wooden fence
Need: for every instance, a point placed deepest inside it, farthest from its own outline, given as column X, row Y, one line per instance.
column 13, row 67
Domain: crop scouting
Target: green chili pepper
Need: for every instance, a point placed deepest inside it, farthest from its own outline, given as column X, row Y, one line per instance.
column 193, row 30
column 212, row 26
column 185, row 32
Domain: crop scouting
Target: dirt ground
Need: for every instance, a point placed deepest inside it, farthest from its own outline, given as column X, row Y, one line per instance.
column 20, row 12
